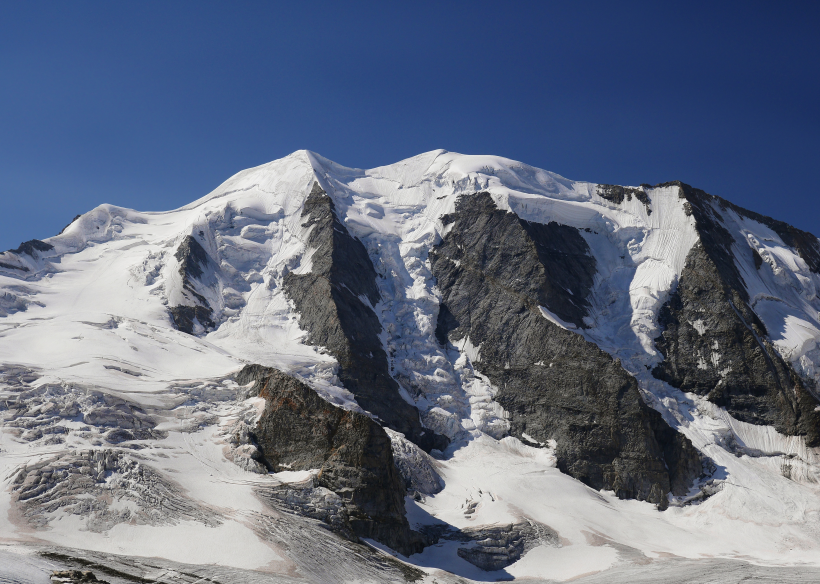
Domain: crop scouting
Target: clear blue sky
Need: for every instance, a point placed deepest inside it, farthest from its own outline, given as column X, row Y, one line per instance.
column 150, row 105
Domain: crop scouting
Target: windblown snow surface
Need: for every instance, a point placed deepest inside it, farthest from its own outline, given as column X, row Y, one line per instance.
column 87, row 348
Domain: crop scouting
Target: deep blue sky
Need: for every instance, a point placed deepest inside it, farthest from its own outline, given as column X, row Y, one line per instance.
column 152, row 104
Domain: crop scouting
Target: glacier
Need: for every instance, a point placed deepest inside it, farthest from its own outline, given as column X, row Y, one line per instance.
column 118, row 427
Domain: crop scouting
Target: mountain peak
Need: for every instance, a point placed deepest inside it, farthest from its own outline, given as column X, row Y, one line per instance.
column 490, row 343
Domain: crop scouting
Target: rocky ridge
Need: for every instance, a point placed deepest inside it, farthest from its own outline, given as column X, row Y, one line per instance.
column 494, row 271
column 335, row 303
column 713, row 342
column 193, row 263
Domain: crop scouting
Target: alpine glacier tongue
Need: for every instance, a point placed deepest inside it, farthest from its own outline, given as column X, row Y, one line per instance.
column 499, row 371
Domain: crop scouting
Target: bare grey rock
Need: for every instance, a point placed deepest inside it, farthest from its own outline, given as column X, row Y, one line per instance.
column 298, row 430
column 417, row 468
column 74, row 577
column 13, row 267
column 494, row 547
column 495, row 271
column 715, row 345
column 617, row 194
column 193, row 263
column 31, row 247
column 335, row 302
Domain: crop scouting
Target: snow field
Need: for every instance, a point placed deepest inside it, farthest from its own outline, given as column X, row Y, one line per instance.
column 92, row 313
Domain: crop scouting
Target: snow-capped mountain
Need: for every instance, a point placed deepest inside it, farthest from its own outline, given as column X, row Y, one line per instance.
column 450, row 367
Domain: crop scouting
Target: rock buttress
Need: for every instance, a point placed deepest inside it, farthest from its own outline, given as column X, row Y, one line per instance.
column 335, row 303
column 298, row 430
column 494, row 271
column 715, row 345
column 193, row 261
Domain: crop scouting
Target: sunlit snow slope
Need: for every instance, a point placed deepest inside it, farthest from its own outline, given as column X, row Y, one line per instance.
column 101, row 390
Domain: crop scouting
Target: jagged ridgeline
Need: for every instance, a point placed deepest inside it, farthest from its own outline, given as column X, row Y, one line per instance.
column 473, row 362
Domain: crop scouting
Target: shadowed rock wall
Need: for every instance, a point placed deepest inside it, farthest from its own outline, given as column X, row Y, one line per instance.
column 335, row 302
column 494, row 271
column 715, row 345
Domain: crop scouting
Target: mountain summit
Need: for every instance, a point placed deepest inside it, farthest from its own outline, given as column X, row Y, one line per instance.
column 449, row 367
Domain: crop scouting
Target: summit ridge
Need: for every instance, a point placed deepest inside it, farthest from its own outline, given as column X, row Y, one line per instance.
column 486, row 368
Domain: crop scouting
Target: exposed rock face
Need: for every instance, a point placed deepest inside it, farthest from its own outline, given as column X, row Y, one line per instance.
column 193, row 261
column 32, row 246
column 298, row 430
column 617, row 194
column 806, row 244
column 335, row 302
column 74, row 577
column 11, row 267
column 494, row 547
column 715, row 345
column 549, row 264
column 29, row 248
column 564, row 272
column 186, row 317
column 495, row 271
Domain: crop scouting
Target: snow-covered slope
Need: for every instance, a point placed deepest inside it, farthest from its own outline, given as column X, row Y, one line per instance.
column 118, row 431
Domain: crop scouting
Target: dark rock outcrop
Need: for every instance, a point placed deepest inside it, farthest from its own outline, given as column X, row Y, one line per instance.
column 192, row 257
column 804, row 243
column 298, row 430
column 193, row 261
column 185, row 317
column 417, row 469
column 715, row 345
column 74, row 577
column 29, row 248
column 11, row 267
column 69, row 225
column 494, row 547
column 32, row 246
column 552, row 382
column 617, row 194
column 568, row 270
column 335, row 302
